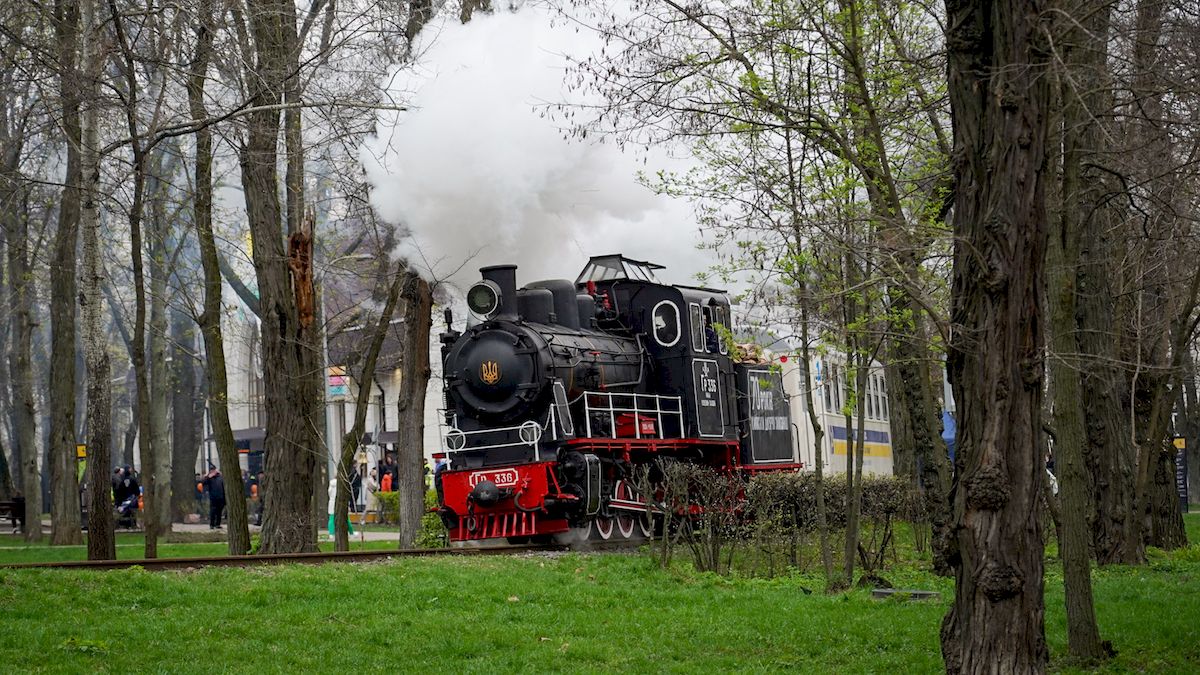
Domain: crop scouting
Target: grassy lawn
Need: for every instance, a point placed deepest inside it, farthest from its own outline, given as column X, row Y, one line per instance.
column 130, row 546
column 540, row 613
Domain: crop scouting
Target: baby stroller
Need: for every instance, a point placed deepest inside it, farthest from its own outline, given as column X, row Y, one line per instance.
column 127, row 512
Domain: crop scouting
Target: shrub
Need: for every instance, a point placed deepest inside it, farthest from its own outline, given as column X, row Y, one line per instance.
column 390, row 501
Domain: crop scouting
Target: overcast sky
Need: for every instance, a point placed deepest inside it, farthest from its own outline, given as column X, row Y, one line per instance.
column 478, row 168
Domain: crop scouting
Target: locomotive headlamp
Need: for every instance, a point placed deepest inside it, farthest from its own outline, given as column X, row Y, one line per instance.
column 483, row 299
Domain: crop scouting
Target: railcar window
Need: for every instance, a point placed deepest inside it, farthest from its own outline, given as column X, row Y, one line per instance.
column 883, row 396
column 879, row 396
column 666, row 323
column 870, row 394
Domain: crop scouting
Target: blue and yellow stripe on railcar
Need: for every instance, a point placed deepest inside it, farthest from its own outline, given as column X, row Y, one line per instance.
column 877, row 443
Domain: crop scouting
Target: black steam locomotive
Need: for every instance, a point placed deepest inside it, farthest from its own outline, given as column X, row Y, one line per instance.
column 557, row 391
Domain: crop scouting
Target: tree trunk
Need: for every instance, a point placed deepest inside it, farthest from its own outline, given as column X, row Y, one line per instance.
column 352, row 439
column 20, row 359
column 1108, row 450
column 293, row 371
column 158, row 370
column 64, row 489
column 210, row 318
column 1083, row 635
column 1166, row 516
column 414, row 380
column 185, row 440
column 999, row 95
column 913, row 402
column 101, row 540
column 855, row 448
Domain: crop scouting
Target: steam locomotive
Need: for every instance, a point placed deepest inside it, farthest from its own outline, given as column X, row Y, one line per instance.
column 557, row 392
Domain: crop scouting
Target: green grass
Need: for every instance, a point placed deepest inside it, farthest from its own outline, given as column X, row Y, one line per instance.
column 131, row 546
column 535, row 613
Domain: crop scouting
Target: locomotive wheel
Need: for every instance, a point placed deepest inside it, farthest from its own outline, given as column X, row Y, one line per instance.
column 625, row 520
column 604, row 527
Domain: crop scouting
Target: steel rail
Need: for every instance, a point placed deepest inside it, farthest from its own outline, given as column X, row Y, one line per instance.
column 312, row 558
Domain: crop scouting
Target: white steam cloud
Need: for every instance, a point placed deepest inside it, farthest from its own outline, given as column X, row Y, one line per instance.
column 480, row 174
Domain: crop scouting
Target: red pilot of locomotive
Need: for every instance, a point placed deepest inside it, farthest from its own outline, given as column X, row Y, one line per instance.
column 556, row 392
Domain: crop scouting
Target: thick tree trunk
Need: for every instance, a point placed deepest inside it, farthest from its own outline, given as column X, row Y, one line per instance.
column 1083, row 635
column 158, row 370
column 291, row 356
column 101, row 544
column 210, row 318
column 1166, row 516
column 1108, row 451
column 414, row 380
column 999, row 95
column 913, row 402
column 64, row 488
column 904, row 452
column 185, row 393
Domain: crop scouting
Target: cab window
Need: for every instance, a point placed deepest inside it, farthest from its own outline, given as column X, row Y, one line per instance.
column 666, row 323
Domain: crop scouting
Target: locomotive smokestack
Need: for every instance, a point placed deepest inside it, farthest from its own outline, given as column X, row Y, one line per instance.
column 505, row 277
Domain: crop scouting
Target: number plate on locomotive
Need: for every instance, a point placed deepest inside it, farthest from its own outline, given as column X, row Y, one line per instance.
column 502, row 478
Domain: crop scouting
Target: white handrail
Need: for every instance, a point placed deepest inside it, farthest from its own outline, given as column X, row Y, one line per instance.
column 656, row 406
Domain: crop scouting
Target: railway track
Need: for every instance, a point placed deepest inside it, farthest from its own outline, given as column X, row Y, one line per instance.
column 316, row 558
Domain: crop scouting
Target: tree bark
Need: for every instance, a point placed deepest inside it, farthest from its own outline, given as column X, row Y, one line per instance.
column 64, row 488
column 293, row 371
column 101, row 540
column 158, row 370
column 210, row 317
column 414, row 380
column 1166, row 516
column 999, row 95
column 1108, row 450
column 20, row 359
column 185, row 411
column 1062, row 258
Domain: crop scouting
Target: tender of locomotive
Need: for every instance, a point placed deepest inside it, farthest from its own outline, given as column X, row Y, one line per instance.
column 557, row 391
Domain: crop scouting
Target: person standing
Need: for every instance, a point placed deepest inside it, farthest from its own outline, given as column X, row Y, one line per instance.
column 214, row 485
column 262, row 496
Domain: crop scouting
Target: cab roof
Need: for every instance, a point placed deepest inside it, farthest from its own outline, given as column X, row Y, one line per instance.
column 615, row 267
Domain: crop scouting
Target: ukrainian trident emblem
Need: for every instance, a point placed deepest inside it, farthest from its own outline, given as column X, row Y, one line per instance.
column 489, row 372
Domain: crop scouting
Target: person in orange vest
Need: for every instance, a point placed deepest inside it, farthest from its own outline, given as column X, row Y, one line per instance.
column 385, row 483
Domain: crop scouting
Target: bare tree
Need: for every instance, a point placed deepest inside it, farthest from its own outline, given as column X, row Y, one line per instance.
column 64, row 489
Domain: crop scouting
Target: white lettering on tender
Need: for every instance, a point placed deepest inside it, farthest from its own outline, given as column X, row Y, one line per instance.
column 768, row 423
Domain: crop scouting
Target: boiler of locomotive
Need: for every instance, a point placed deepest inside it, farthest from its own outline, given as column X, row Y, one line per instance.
column 501, row 369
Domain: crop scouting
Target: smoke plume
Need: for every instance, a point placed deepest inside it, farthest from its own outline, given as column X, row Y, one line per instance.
column 478, row 172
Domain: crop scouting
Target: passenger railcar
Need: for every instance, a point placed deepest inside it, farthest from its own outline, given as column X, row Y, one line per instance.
column 557, row 391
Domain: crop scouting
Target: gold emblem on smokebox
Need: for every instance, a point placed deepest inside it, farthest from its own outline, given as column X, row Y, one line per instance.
column 489, row 372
